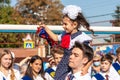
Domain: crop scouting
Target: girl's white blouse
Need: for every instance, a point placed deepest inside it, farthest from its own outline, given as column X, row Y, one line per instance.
column 16, row 72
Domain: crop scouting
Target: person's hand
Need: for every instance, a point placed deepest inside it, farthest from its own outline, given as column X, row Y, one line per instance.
column 84, row 71
column 51, row 60
column 41, row 25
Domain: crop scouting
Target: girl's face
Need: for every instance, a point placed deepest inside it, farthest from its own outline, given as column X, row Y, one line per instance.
column 36, row 66
column 105, row 66
column 69, row 26
column 6, row 61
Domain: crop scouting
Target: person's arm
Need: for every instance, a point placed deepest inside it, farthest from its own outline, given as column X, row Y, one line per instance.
column 86, row 67
column 50, row 33
column 24, row 61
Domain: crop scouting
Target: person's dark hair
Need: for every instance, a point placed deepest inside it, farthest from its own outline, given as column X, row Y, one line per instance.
column 29, row 69
column 107, row 57
column 81, row 22
column 87, row 50
column 118, row 51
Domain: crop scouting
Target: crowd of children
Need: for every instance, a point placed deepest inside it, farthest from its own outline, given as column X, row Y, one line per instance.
column 73, row 59
column 102, row 67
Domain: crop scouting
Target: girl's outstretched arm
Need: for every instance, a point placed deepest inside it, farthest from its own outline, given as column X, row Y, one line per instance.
column 50, row 33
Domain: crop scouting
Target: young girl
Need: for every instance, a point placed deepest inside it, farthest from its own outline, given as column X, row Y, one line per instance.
column 6, row 70
column 73, row 19
column 35, row 69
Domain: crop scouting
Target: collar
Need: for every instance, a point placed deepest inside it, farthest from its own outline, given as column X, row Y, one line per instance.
column 77, row 74
column 75, row 34
column 103, row 74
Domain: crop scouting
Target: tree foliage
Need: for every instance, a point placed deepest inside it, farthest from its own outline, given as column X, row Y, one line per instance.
column 116, row 22
column 116, row 16
column 9, row 15
column 47, row 11
column 27, row 12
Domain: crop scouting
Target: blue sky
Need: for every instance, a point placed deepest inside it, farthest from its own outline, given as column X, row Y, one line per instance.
column 94, row 8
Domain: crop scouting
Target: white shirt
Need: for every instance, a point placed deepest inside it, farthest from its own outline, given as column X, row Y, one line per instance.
column 47, row 75
column 80, row 38
column 16, row 72
column 38, row 77
column 78, row 76
column 111, row 76
column 113, row 71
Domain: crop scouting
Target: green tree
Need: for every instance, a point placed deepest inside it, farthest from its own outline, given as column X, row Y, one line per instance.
column 47, row 11
column 116, row 22
column 116, row 16
column 9, row 15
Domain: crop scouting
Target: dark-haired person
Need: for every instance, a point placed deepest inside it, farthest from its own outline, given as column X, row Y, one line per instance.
column 35, row 69
column 73, row 20
column 81, row 54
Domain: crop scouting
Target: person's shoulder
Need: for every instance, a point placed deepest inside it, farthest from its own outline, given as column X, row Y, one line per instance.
column 98, row 76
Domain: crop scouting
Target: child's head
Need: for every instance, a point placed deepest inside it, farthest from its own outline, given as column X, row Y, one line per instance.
column 6, row 59
column 57, row 53
column 106, row 62
column 73, row 19
column 81, row 54
column 118, row 54
column 96, row 60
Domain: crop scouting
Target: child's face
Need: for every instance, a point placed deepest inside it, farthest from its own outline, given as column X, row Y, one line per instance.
column 68, row 25
column 105, row 66
column 6, row 61
column 57, row 58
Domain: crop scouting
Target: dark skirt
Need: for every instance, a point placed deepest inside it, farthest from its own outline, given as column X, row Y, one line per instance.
column 63, row 69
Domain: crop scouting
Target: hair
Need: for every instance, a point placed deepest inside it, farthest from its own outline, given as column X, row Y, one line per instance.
column 4, row 52
column 87, row 50
column 118, row 51
column 58, row 50
column 81, row 22
column 107, row 57
column 29, row 68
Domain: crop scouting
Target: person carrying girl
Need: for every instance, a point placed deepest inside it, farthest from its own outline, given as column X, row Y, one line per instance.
column 73, row 20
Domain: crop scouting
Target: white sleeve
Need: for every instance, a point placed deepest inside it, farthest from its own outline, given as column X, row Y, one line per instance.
column 59, row 37
column 48, row 77
column 17, row 75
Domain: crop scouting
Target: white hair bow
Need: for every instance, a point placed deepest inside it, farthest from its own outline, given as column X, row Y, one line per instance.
column 72, row 11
